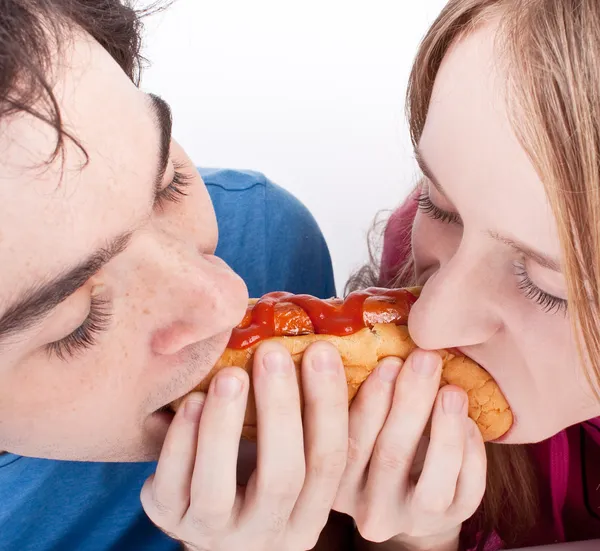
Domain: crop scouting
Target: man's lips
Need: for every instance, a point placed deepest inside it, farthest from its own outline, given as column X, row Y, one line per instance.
column 190, row 354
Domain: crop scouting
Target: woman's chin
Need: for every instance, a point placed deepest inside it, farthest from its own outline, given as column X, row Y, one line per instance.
column 511, row 436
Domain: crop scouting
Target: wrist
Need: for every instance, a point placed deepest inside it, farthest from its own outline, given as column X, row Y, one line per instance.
column 448, row 541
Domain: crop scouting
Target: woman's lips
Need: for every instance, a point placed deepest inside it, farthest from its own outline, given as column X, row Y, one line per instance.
column 506, row 436
column 504, row 439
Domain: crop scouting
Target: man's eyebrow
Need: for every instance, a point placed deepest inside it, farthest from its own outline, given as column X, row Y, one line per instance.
column 428, row 173
column 164, row 120
column 38, row 301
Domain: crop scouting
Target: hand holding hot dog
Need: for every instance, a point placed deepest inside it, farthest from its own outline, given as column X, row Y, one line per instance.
column 411, row 491
column 366, row 327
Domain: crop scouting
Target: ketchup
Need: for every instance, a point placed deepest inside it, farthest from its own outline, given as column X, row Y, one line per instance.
column 329, row 317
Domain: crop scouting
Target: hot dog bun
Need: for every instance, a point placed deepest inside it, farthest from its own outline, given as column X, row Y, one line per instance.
column 361, row 351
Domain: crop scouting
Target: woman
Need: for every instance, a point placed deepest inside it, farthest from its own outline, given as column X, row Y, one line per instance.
column 503, row 231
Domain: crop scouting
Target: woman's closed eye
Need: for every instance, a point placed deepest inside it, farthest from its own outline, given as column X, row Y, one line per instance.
column 427, row 206
column 548, row 302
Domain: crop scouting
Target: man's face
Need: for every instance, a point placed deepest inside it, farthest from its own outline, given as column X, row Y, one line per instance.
column 112, row 304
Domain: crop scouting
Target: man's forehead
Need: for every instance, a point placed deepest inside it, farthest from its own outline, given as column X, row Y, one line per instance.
column 55, row 215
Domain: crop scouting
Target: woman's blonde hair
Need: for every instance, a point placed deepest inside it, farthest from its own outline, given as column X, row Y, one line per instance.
column 550, row 50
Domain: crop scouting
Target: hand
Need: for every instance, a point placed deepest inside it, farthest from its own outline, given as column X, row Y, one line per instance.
column 193, row 495
column 398, row 485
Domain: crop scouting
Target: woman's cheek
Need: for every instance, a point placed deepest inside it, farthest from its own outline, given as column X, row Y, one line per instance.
column 423, row 247
column 434, row 242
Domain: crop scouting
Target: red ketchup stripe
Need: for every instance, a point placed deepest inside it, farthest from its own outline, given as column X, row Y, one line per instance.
column 328, row 317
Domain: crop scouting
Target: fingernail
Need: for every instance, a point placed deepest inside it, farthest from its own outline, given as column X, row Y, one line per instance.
column 227, row 386
column 325, row 360
column 425, row 363
column 276, row 362
column 192, row 409
column 388, row 369
column 453, row 402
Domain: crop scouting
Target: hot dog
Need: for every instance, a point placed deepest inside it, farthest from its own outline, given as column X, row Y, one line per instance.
column 365, row 327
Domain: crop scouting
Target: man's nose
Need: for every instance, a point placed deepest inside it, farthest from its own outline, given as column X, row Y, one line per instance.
column 203, row 300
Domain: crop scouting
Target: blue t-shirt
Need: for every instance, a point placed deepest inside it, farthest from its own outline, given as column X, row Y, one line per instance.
column 273, row 242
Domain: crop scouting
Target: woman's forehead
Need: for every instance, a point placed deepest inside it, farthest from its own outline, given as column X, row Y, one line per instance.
column 470, row 145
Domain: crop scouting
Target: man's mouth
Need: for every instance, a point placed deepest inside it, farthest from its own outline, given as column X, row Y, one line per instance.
column 220, row 345
column 165, row 409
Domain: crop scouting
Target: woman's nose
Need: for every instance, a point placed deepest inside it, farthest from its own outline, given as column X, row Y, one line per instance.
column 456, row 305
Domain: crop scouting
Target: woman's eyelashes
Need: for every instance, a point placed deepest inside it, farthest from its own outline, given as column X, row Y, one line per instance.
column 177, row 189
column 427, row 206
column 549, row 303
column 84, row 337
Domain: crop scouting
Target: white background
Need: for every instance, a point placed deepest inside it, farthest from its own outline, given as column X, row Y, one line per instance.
column 309, row 92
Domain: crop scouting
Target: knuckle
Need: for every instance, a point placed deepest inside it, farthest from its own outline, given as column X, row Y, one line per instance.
column 451, row 447
column 161, row 509
column 436, row 504
column 329, row 466
column 282, row 491
column 205, row 523
column 392, row 456
column 286, row 409
column 158, row 510
column 355, row 452
column 277, row 521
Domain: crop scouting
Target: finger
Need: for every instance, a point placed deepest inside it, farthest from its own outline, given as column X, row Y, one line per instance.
column 167, row 492
column 274, row 487
column 368, row 413
column 435, row 489
column 395, row 449
column 325, row 439
column 472, row 477
column 214, row 486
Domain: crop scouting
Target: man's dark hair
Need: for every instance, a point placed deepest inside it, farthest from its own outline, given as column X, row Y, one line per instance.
column 32, row 30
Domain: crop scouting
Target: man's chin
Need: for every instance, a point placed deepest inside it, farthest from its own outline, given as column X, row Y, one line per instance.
column 156, row 427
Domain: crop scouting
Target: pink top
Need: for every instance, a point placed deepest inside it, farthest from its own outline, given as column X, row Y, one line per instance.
column 568, row 464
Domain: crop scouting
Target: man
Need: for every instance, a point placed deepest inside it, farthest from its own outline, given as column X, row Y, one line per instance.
column 66, row 505
column 114, row 303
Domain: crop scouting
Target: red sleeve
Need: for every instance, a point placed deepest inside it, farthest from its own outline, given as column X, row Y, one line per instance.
column 470, row 541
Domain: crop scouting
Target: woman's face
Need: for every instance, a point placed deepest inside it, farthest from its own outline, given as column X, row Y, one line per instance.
column 485, row 245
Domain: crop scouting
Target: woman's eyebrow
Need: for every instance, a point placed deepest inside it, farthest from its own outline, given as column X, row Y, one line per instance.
column 424, row 167
column 538, row 257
